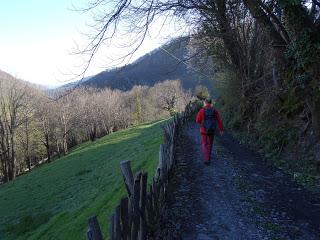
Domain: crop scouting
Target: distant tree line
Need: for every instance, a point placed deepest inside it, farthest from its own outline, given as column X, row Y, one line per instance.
column 36, row 129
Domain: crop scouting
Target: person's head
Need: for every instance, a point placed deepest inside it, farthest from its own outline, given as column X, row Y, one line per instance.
column 208, row 101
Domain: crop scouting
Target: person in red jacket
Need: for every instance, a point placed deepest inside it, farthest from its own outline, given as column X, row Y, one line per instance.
column 207, row 138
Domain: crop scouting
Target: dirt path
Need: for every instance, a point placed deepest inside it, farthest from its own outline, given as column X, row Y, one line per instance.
column 236, row 197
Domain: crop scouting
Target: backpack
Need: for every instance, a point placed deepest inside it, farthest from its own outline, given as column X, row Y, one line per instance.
column 209, row 122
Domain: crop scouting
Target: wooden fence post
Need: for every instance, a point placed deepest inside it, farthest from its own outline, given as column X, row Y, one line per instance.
column 149, row 209
column 135, row 204
column 111, row 229
column 143, row 202
column 124, row 215
column 130, row 219
column 117, row 225
column 89, row 235
column 95, row 228
column 125, row 167
column 162, row 161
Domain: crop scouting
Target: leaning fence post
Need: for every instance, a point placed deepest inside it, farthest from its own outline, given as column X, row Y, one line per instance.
column 162, row 161
column 95, row 228
column 125, row 167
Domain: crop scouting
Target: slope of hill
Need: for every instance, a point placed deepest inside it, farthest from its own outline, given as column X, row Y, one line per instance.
column 159, row 65
column 55, row 200
column 7, row 76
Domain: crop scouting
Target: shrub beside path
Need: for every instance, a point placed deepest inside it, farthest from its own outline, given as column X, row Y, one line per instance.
column 236, row 197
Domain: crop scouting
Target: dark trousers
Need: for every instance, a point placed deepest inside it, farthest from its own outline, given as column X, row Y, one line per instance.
column 206, row 145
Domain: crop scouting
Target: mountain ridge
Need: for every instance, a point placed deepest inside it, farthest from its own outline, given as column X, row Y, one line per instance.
column 164, row 63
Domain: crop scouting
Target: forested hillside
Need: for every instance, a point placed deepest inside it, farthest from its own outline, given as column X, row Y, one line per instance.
column 4, row 75
column 36, row 128
column 165, row 63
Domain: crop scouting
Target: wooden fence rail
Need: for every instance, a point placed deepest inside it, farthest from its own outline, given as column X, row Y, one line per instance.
column 139, row 212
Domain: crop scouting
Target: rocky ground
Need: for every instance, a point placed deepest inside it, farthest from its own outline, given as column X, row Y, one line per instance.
column 236, row 197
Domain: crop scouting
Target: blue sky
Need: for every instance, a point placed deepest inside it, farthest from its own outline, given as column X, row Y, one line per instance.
column 38, row 37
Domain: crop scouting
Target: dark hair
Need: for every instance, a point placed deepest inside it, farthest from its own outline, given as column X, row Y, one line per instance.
column 208, row 100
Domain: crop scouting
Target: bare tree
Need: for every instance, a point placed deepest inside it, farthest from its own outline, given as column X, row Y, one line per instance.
column 33, row 130
column 170, row 96
column 47, row 122
column 27, row 128
column 12, row 100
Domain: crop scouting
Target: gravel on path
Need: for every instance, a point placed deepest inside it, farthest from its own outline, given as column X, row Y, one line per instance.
column 236, row 197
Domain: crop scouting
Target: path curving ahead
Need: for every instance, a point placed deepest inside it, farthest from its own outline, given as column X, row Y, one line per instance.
column 236, row 197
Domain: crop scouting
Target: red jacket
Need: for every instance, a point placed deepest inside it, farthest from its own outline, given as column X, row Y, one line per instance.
column 200, row 119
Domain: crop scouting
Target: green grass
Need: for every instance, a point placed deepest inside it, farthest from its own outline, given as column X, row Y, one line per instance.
column 55, row 200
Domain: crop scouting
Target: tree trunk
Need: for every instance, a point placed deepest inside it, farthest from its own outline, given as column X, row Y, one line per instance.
column 47, row 145
column 65, row 144
column 12, row 164
column 93, row 132
column 4, row 168
column 28, row 160
column 58, row 148
column 65, row 136
column 279, row 44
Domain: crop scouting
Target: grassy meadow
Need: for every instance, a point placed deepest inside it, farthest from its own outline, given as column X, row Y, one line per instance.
column 55, row 200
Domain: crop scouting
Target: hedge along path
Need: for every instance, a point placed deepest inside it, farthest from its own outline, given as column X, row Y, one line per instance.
column 137, row 213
